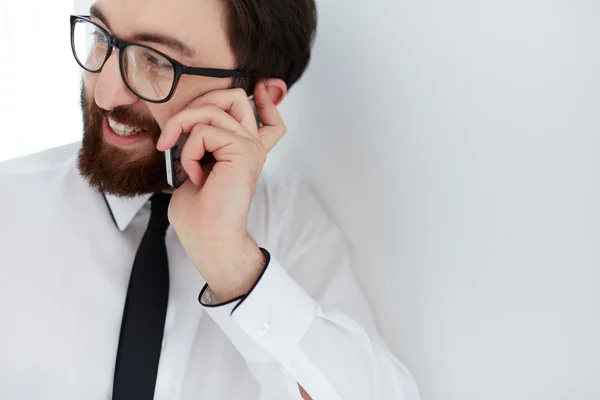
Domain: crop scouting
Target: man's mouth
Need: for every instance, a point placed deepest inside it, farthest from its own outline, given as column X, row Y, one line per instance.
column 124, row 130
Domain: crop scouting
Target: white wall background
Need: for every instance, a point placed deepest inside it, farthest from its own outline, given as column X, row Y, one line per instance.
column 39, row 79
column 456, row 143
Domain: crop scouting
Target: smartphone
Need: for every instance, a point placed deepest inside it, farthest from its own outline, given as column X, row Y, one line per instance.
column 176, row 175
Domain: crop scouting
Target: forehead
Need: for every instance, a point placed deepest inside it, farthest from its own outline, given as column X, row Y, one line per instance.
column 200, row 24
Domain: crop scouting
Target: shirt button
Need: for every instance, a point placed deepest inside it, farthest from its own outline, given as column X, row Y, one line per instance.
column 264, row 328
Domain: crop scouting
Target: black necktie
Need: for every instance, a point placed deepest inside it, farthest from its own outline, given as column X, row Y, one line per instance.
column 145, row 309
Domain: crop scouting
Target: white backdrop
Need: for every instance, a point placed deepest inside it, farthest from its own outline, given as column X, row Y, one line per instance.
column 455, row 142
column 39, row 98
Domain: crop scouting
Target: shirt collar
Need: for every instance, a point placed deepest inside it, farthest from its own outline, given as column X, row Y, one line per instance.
column 124, row 209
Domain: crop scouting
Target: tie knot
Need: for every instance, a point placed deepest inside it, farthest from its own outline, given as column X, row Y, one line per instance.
column 159, row 219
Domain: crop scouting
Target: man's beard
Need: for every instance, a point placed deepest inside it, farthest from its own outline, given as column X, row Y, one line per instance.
column 113, row 170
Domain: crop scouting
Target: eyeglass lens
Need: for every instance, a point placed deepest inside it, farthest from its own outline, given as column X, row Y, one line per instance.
column 147, row 73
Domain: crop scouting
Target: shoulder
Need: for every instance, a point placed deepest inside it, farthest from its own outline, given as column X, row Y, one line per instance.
column 42, row 163
column 30, row 184
column 287, row 213
column 289, row 197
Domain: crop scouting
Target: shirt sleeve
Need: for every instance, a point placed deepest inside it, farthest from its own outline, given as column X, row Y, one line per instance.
column 308, row 323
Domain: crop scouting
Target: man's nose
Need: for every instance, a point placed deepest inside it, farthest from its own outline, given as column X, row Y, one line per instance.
column 111, row 91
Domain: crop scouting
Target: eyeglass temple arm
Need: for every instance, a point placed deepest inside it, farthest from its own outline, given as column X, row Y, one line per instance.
column 215, row 72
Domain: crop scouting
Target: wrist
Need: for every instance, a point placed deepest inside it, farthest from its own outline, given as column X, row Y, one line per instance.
column 231, row 271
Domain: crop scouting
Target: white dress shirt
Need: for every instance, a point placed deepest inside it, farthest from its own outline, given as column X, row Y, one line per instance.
column 66, row 252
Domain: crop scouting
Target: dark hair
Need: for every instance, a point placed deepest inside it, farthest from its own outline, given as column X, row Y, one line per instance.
column 271, row 38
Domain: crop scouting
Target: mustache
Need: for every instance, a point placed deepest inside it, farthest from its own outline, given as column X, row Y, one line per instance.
column 136, row 118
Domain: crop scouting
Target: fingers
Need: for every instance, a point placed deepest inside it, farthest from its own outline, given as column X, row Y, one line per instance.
column 244, row 152
column 228, row 109
column 234, row 102
column 190, row 117
column 223, row 122
column 194, row 150
column 273, row 127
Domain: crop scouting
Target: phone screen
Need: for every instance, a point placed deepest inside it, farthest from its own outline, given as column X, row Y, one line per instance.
column 176, row 175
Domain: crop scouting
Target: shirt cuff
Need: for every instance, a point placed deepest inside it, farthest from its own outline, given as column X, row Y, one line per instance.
column 207, row 296
column 270, row 320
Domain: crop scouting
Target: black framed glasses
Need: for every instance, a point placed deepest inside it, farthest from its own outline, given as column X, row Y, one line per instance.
column 149, row 74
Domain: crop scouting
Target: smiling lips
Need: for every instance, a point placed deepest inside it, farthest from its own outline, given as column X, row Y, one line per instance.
column 124, row 130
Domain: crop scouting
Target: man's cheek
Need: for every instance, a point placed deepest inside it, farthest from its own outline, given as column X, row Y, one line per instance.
column 161, row 118
column 89, row 84
column 162, row 113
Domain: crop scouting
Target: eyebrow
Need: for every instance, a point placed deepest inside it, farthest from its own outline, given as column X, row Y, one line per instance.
column 165, row 40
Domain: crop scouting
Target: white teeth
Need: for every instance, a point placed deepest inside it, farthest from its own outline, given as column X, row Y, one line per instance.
column 122, row 129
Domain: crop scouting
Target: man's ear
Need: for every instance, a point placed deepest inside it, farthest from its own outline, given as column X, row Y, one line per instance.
column 276, row 88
